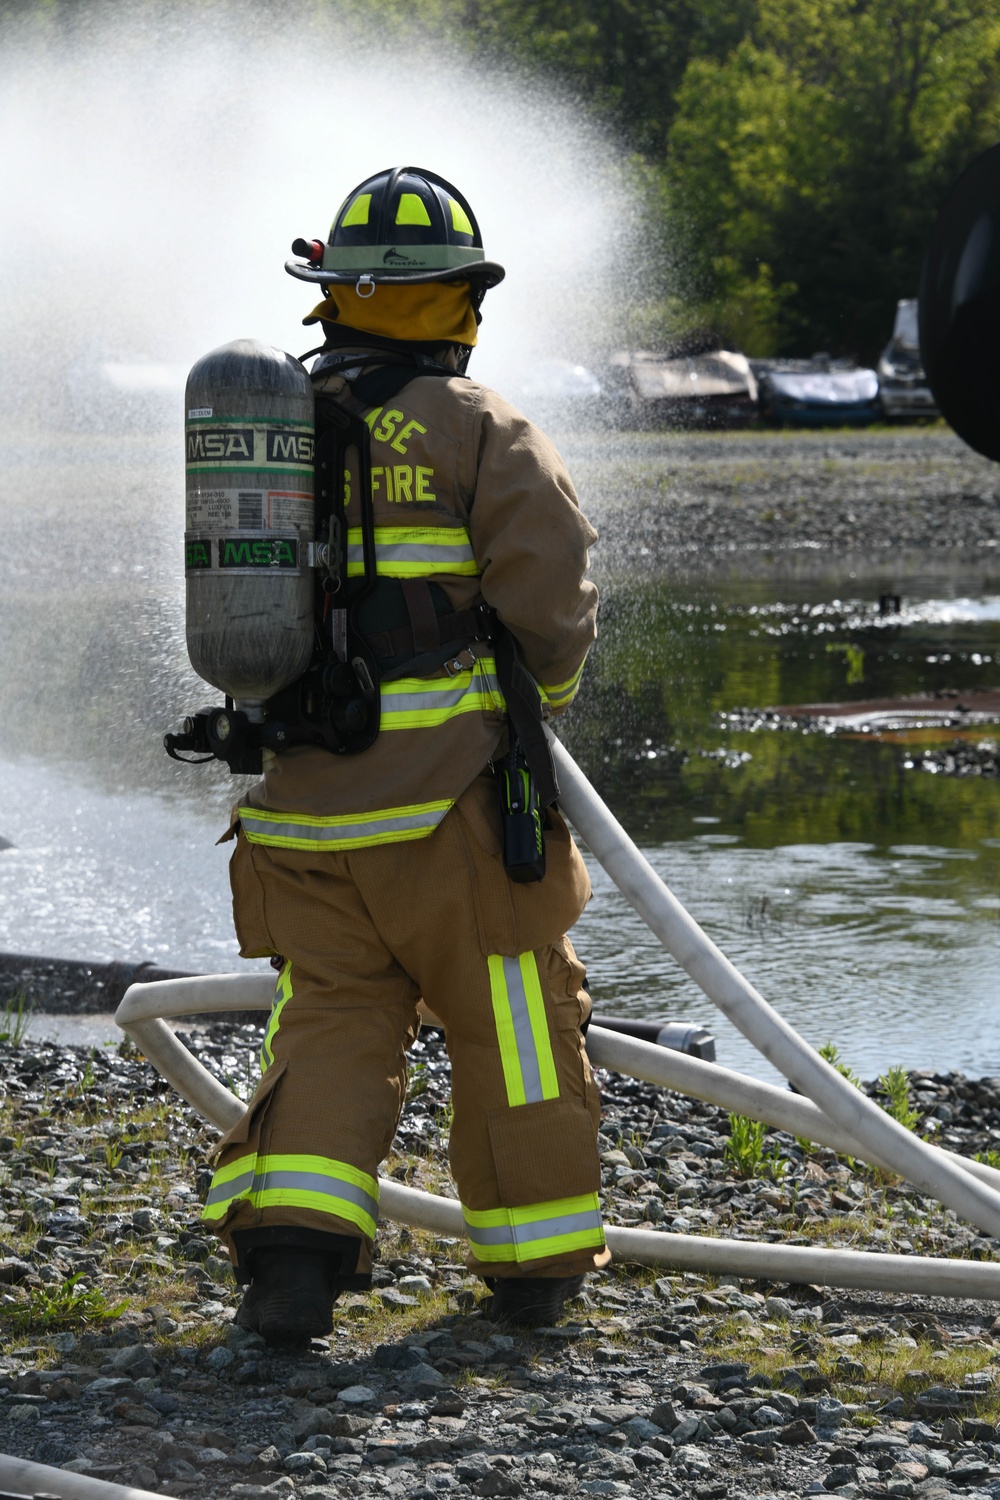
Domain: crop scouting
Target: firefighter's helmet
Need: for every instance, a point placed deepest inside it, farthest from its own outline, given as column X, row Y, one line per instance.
column 402, row 225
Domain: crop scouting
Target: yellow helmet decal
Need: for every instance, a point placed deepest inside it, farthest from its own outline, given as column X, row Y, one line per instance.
column 412, row 210
column 358, row 211
column 460, row 219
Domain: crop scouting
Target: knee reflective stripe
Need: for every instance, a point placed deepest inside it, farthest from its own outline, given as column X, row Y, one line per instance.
column 517, row 1235
column 282, row 995
column 349, row 831
column 558, row 694
column 330, row 1187
column 421, row 702
column 529, row 1068
column 414, row 552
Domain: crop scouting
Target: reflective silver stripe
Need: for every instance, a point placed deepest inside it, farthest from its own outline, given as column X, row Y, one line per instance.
column 236, row 1187
column 354, row 831
column 315, row 1182
column 448, row 696
column 527, row 1055
column 414, row 549
column 539, row 1229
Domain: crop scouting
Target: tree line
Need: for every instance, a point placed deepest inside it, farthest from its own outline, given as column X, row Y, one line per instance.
column 792, row 154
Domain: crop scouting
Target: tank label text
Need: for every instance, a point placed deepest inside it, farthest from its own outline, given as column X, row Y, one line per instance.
column 249, row 445
column 241, row 554
column 217, row 510
column 256, row 552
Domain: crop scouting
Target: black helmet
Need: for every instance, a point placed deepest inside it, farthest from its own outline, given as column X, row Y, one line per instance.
column 402, row 225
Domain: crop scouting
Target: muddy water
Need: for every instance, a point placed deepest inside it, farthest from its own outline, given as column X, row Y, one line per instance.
column 861, row 897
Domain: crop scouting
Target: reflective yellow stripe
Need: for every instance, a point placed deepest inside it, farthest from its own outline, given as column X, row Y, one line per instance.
column 358, row 211
column 412, row 210
column 414, row 552
column 517, row 1235
column 422, row 702
column 282, row 995
column 558, row 694
column 318, row 1182
column 459, row 218
column 283, row 830
column 529, row 1068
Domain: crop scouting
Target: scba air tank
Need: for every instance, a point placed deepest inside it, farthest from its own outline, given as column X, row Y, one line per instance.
column 249, row 437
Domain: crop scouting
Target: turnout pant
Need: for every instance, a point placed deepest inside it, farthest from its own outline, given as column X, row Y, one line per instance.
column 366, row 933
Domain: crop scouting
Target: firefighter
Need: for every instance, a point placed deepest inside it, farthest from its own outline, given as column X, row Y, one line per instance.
column 375, row 879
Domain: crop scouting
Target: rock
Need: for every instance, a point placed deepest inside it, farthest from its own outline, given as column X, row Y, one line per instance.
column 942, row 1400
column 796, row 1433
column 357, row 1395
column 137, row 1361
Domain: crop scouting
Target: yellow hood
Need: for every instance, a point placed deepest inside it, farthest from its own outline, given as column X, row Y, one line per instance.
column 422, row 312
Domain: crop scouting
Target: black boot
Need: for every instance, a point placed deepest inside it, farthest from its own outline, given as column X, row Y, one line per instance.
column 295, row 1277
column 291, row 1295
column 531, row 1301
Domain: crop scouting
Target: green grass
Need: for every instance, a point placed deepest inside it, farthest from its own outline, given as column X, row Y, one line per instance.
column 15, row 1019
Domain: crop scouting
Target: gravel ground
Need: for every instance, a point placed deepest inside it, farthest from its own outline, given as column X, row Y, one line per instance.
column 691, row 500
column 120, row 1358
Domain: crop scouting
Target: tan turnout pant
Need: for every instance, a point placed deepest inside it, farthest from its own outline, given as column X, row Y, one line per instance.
column 364, row 935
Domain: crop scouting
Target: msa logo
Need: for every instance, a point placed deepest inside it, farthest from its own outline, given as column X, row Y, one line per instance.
column 289, row 447
column 215, row 444
column 197, row 555
column 394, row 258
column 258, row 552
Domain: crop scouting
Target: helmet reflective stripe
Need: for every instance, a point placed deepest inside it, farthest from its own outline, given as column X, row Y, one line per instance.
column 347, row 831
column 358, row 211
column 535, row 1231
column 411, row 210
column 459, row 218
column 529, row 1068
column 414, row 552
column 318, row 1182
column 282, row 995
column 400, row 258
column 422, row 703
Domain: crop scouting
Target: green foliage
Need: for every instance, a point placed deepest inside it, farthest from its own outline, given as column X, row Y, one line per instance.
column 61, row 1306
column 895, row 1086
column 16, row 1019
column 988, row 1158
column 745, row 1149
column 830, row 1053
column 819, row 150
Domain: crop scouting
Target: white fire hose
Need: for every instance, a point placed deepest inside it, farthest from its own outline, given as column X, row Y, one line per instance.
column 34, row 1481
column 144, row 1006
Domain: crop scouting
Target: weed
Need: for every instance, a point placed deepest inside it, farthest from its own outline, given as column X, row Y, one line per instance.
column 745, row 1149
column 15, row 1020
column 988, row 1158
column 113, row 1154
column 59, row 1306
column 895, row 1085
column 418, row 1081
column 830, row 1053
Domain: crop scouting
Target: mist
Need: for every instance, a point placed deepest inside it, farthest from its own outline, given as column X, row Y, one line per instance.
column 158, row 163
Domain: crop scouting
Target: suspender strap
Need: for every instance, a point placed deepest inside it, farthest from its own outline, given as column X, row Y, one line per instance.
column 455, row 629
column 525, row 710
column 423, row 616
